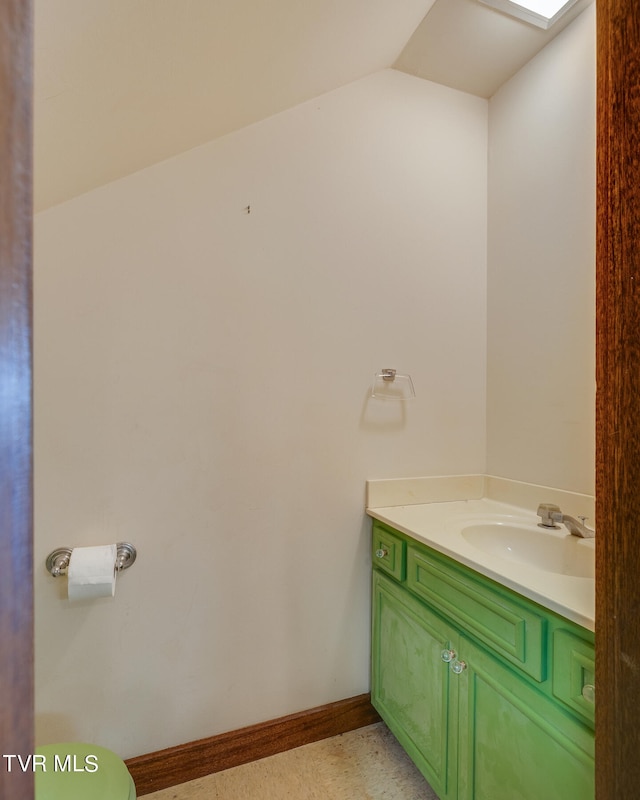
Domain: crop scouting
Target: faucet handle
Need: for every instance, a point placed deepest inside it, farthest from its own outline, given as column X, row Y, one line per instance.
column 549, row 513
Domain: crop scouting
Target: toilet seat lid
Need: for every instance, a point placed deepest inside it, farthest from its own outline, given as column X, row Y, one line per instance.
column 78, row 771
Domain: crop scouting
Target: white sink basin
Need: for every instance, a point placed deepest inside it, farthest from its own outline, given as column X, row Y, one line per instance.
column 555, row 551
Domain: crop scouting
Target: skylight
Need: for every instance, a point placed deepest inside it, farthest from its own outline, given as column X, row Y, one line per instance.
column 542, row 13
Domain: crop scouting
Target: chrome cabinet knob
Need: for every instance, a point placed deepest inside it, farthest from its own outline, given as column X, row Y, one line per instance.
column 448, row 655
column 589, row 692
column 458, row 666
column 381, row 553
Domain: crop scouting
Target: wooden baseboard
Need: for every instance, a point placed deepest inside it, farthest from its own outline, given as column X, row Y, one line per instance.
column 164, row 768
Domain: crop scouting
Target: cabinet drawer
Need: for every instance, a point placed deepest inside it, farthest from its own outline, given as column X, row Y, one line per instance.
column 389, row 552
column 574, row 673
column 490, row 614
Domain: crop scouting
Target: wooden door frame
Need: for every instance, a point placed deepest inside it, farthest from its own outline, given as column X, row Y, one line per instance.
column 16, row 479
column 618, row 399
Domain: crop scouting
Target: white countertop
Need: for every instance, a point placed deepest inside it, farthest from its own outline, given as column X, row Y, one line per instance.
column 439, row 526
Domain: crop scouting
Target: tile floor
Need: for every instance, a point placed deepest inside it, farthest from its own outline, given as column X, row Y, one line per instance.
column 366, row 764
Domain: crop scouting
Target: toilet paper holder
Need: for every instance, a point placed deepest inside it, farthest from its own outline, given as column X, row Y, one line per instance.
column 58, row 559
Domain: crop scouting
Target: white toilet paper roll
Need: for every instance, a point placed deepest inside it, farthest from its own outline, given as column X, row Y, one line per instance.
column 92, row 572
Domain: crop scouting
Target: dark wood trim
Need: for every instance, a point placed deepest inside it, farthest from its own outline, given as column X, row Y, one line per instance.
column 618, row 402
column 16, row 506
column 186, row 762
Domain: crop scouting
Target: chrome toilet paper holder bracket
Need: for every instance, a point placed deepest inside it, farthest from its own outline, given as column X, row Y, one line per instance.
column 58, row 560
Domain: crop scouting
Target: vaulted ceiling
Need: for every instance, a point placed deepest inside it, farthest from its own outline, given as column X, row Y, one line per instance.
column 122, row 84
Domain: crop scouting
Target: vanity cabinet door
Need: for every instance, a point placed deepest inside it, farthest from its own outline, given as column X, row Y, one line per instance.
column 411, row 683
column 516, row 744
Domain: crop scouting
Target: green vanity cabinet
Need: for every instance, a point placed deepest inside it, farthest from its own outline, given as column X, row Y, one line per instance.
column 515, row 743
column 410, row 683
column 490, row 694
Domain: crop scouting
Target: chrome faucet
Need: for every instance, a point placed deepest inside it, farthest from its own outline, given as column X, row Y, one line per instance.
column 550, row 514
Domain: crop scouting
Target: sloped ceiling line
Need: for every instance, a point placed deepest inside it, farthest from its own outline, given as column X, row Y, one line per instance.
column 121, row 85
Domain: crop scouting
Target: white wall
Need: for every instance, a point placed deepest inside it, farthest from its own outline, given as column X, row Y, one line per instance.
column 541, row 333
column 201, row 380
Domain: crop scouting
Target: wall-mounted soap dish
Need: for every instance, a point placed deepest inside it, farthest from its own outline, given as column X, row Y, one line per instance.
column 388, row 384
